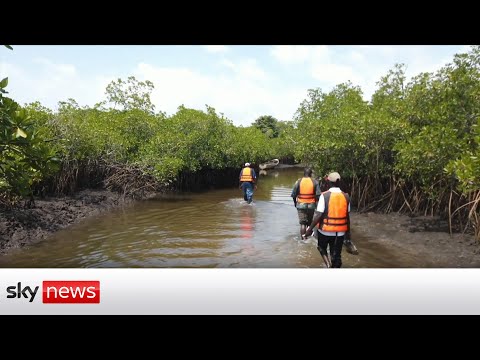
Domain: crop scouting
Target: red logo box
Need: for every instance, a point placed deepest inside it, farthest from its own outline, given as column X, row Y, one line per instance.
column 71, row 292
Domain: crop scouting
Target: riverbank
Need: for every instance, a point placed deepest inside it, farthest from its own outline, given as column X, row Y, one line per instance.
column 22, row 227
column 418, row 240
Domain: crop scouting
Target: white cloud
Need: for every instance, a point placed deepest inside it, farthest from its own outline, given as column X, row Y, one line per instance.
column 357, row 56
column 216, row 48
column 247, row 68
column 362, row 65
column 417, row 59
column 321, row 63
column 321, row 53
column 242, row 93
column 299, row 54
column 56, row 69
column 11, row 71
column 333, row 74
column 227, row 63
column 240, row 89
column 291, row 54
column 51, row 83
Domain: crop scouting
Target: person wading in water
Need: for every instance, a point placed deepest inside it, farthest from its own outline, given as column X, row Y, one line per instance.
column 248, row 182
column 333, row 217
column 305, row 194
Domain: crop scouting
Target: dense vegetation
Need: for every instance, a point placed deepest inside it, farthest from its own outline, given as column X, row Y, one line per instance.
column 414, row 147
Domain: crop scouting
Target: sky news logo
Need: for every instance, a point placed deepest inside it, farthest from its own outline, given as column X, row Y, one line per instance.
column 58, row 292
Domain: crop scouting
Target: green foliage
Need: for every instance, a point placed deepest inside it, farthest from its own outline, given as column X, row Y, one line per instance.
column 443, row 110
column 26, row 158
column 390, row 95
column 424, row 131
column 191, row 140
column 467, row 167
column 131, row 94
column 339, row 131
column 111, row 135
column 3, row 85
column 268, row 125
column 250, row 144
column 284, row 145
column 423, row 157
column 85, row 138
column 195, row 137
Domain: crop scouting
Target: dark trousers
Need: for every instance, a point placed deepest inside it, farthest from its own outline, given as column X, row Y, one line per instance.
column 247, row 188
column 334, row 245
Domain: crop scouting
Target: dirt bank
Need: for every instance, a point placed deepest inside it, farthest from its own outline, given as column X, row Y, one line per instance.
column 20, row 227
column 417, row 240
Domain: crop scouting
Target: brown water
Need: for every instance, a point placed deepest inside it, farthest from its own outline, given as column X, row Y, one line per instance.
column 212, row 229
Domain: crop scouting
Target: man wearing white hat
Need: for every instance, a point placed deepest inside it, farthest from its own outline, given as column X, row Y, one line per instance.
column 333, row 216
column 248, row 182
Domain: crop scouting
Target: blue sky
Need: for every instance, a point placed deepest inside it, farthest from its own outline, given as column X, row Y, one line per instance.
column 242, row 82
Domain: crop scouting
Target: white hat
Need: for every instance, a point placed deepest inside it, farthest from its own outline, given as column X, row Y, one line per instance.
column 333, row 177
column 247, row 164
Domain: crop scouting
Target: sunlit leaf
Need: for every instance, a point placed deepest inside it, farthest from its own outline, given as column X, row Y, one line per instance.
column 4, row 83
column 20, row 133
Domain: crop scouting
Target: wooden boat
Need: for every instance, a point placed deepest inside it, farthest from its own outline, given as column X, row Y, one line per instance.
column 269, row 165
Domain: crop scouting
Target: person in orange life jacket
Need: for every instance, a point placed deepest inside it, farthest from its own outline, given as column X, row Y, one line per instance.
column 248, row 182
column 348, row 244
column 333, row 217
column 305, row 194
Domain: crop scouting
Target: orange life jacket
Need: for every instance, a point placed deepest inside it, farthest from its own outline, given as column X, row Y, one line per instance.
column 335, row 215
column 306, row 193
column 246, row 175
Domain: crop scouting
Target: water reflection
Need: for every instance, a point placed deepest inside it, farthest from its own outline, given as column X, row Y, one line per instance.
column 246, row 221
column 273, row 173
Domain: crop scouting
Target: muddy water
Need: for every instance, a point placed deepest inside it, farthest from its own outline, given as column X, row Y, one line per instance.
column 212, row 229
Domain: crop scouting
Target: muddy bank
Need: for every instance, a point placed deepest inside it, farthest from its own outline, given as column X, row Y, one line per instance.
column 421, row 241
column 20, row 227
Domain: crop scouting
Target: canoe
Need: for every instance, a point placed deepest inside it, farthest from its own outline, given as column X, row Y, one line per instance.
column 269, row 165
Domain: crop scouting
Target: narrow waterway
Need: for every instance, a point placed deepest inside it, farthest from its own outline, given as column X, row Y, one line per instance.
column 215, row 228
